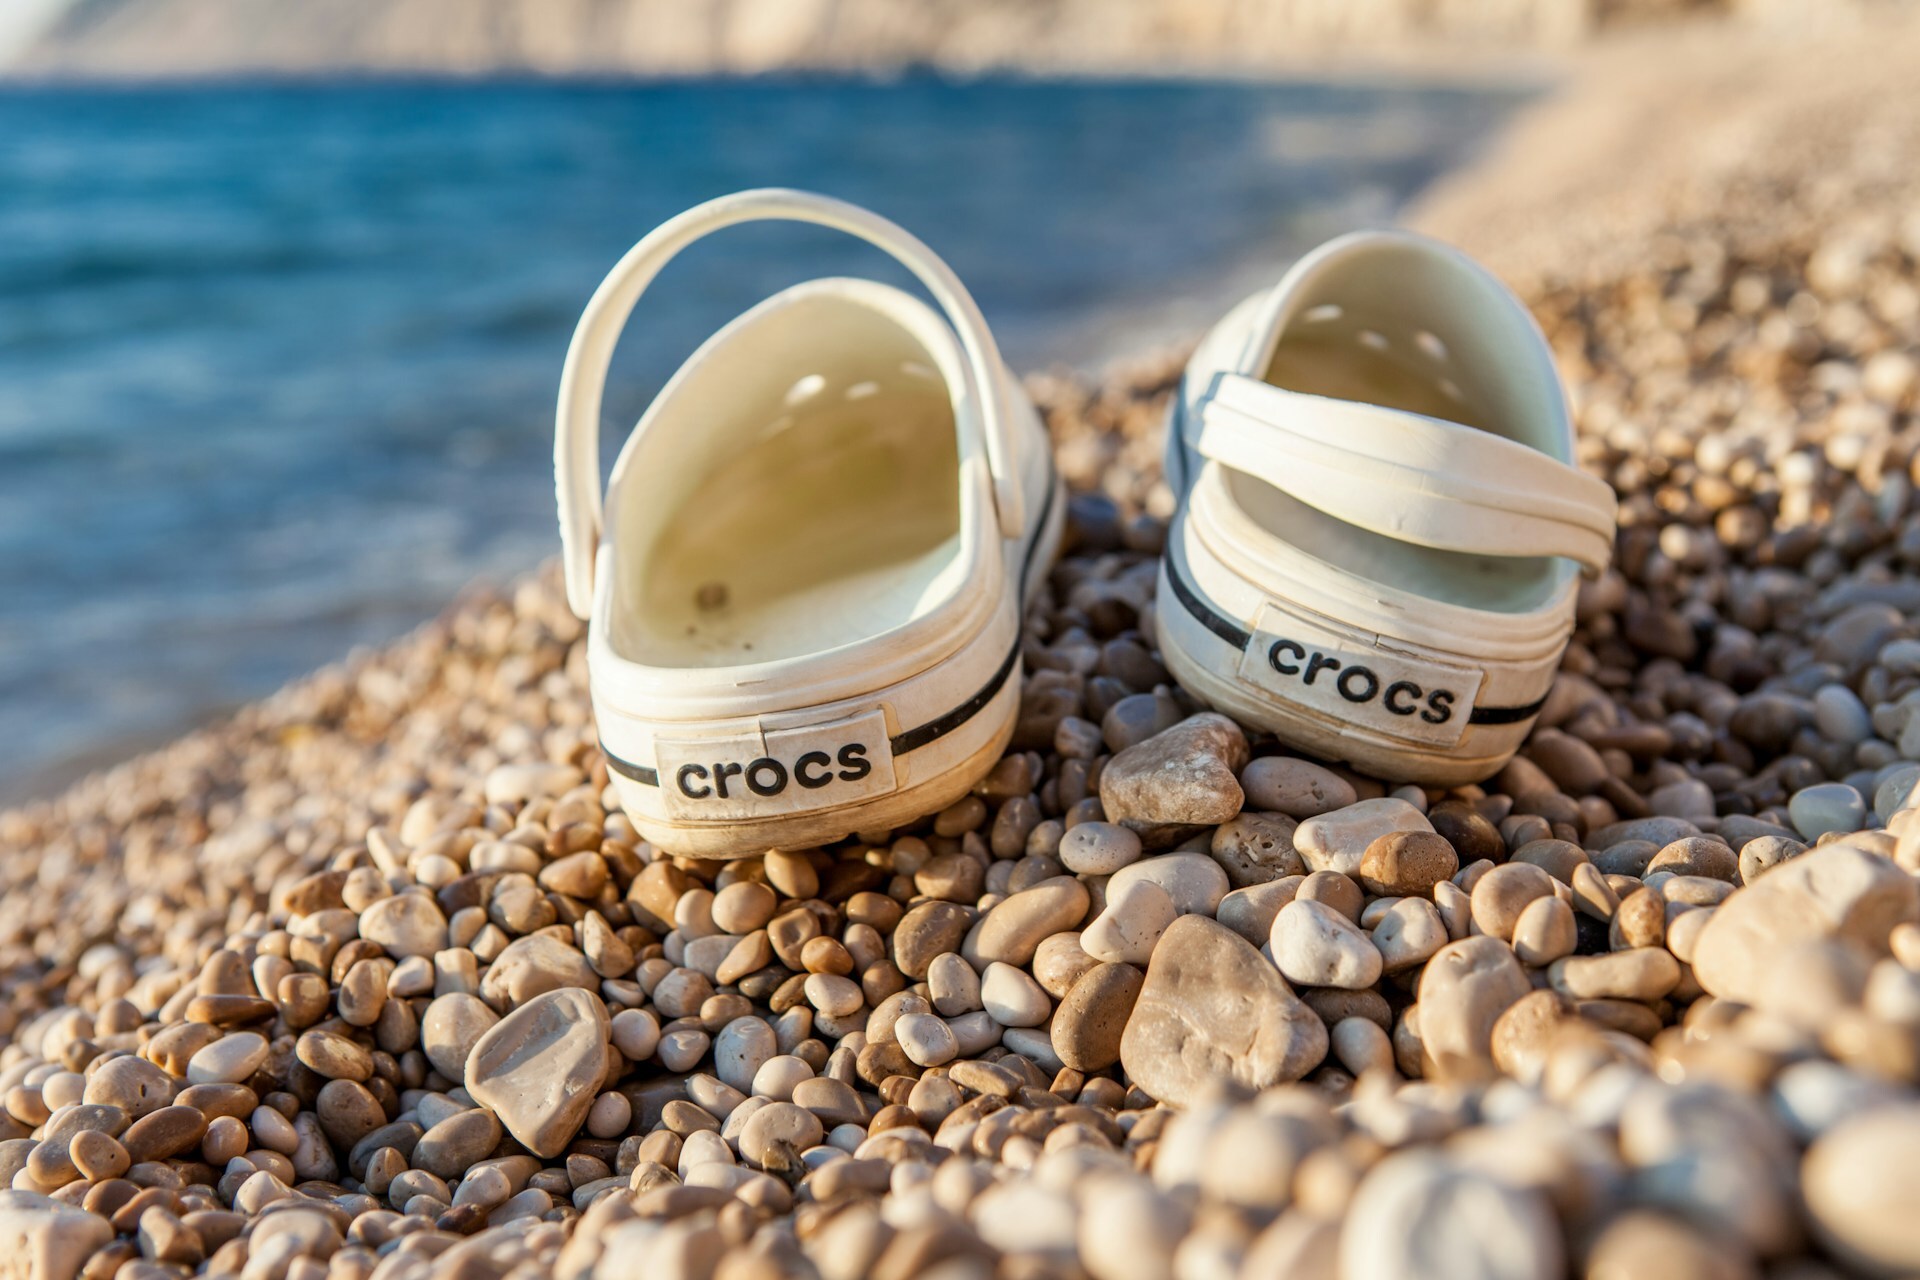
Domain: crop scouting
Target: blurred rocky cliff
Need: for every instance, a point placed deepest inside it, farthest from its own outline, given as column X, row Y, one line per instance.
column 157, row 38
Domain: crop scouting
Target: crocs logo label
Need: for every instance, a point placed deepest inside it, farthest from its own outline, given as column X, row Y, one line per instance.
column 781, row 771
column 1344, row 676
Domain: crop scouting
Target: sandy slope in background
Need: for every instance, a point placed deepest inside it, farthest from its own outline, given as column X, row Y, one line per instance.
column 145, row 38
column 1750, row 136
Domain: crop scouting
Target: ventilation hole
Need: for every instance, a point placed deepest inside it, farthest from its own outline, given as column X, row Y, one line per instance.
column 1430, row 343
column 861, row 390
column 1370, row 338
column 1451, row 391
column 1323, row 313
column 806, row 389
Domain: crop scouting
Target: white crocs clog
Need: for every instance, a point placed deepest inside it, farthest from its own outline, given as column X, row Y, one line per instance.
column 1381, row 525
column 804, row 599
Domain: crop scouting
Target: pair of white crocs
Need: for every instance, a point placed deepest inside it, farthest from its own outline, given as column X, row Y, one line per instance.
column 805, row 586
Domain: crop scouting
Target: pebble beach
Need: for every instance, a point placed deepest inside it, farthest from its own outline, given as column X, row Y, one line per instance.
column 373, row 981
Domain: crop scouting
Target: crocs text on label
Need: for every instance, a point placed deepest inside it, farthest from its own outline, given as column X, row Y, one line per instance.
column 1347, row 676
column 778, row 772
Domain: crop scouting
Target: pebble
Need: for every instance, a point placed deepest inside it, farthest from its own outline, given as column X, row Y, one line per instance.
column 533, row 966
column 46, row 1239
column 1840, row 715
column 1463, row 991
column 232, row 1059
column 1137, row 718
column 744, row 906
column 833, row 995
column 1012, row 930
column 163, row 1134
column 776, row 1134
column 1689, row 798
column 926, row 1039
column 743, row 1046
column 404, row 925
column 927, row 931
column 97, row 1156
column 1211, row 1008
column 1408, row 934
column 1832, row 892
column 518, row 783
column 1546, row 931
column 1249, row 912
column 1361, row 1046
column 1561, row 859
column 1338, row 840
column 1642, row 973
column 1314, row 945
column 1098, row 848
column 540, row 1067
column 457, row 1143
column 1183, row 777
column 1403, row 864
column 1863, row 1191
column 333, row 1056
column 1012, row 998
column 1256, row 848
column 954, row 985
column 1418, row 1214
column 1499, row 897
column 578, row 875
column 1830, row 806
column 1091, row 1019
column 1130, row 1232
column 1525, row 1035
column 1137, row 915
column 1697, row 856
column 451, row 1026
column 1658, row 831
column 1195, row 882
column 1574, row 766
column 1296, row 788
column 1897, row 790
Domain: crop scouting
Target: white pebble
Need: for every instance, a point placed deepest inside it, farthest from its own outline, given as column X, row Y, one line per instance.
column 1012, row 997
column 927, row 1040
column 1127, row 931
column 1316, row 946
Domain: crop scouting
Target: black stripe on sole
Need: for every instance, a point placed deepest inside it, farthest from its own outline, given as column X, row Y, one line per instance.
column 933, row 730
column 1507, row 715
column 638, row 772
column 1239, row 637
column 1203, row 613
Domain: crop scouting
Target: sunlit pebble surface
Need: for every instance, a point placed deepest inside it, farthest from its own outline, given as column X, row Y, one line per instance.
column 372, row 981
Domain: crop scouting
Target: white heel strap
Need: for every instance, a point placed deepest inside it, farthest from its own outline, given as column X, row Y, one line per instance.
column 576, row 450
column 1419, row 479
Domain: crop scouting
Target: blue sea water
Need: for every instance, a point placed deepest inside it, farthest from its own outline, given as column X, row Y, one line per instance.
column 277, row 362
